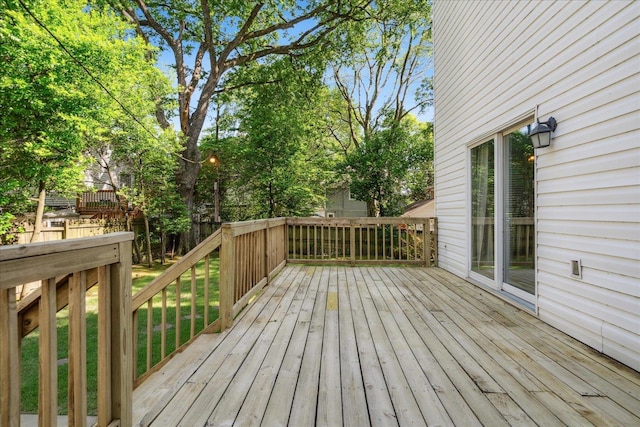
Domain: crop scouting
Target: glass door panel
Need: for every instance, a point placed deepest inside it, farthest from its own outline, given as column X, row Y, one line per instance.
column 482, row 209
column 518, row 215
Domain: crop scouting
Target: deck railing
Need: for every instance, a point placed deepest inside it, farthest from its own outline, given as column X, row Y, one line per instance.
column 101, row 202
column 363, row 240
column 235, row 263
column 106, row 259
column 139, row 333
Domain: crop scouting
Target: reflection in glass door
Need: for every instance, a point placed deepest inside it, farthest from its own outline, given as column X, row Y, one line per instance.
column 482, row 209
column 518, row 215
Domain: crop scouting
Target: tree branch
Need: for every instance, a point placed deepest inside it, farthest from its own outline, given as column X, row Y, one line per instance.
column 245, row 84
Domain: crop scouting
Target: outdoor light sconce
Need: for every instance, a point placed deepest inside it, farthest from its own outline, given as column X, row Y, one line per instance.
column 541, row 133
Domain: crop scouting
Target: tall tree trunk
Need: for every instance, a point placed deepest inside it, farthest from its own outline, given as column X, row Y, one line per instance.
column 163, row 241
column 37, row 226
column 148, row 236
column 371, row 208
column 136, row 248
column 187, row 173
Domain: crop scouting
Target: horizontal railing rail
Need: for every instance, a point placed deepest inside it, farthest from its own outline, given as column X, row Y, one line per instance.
column 106, row 259
column 352, row 241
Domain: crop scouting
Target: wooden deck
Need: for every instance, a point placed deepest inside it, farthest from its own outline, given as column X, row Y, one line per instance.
column 386, row 346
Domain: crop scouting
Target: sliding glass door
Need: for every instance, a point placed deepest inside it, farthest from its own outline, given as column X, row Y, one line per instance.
column 518, row 214
column 502, row 202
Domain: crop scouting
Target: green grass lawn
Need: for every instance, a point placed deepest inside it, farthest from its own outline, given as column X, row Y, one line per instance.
column 141, row 277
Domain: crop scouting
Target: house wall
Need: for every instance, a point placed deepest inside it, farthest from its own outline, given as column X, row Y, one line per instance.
column 341, row 206
column 579, row 61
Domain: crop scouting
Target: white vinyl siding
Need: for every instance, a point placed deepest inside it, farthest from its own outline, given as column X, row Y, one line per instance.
column 580, row 62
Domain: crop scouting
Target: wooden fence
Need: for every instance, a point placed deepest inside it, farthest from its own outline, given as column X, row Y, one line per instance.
column 70, row 229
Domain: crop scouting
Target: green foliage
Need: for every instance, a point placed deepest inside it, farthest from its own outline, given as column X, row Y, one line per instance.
column 278, row 163
column 53, row 112
column 387, row 163
column 151, row 164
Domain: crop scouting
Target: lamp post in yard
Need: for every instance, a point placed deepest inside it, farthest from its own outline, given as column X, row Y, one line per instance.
column 216, row 189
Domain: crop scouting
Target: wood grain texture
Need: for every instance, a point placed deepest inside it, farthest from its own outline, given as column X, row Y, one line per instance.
column 400, row 346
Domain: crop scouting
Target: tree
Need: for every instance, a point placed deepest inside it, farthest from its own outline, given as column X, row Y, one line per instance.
column 381, row 167
column 151, row 166
column 279, row 159
column 209, row 39
column 52, row 94
column 381, row 84
column 377, row 78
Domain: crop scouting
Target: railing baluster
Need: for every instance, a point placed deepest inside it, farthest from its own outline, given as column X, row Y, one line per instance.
column 104, row 346
column 207, row 260
column 315, row 242
column 48, row 384
column 367, row 235
column 178, row 311
column 149, row 332
column 77, row 350
column 192, row 331
column 163, row 325
column 300, row 238
column 391, row 239
column 134, row 323
column 384, row 242
column 426, row 243
column 375, row 240
column 352, row 241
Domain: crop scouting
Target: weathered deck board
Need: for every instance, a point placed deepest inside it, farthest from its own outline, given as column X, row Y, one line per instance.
column 386, row 346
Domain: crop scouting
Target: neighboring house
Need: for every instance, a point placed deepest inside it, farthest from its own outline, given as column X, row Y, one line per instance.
column 420, row 209
column 340, row 204
column 53, row 201
column 556, row 231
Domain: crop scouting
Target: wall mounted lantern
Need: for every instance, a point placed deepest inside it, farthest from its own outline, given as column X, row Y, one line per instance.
column 541, row 133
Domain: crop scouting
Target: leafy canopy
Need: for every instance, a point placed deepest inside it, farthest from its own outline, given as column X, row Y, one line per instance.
column 53, row 109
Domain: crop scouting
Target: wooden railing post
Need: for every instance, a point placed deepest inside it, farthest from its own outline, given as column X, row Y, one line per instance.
column 434, row 241
column 267, row 252
column 227, row 276
column 352, row 241
column 286, row 240
column 426, row 242
column 9, row 359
